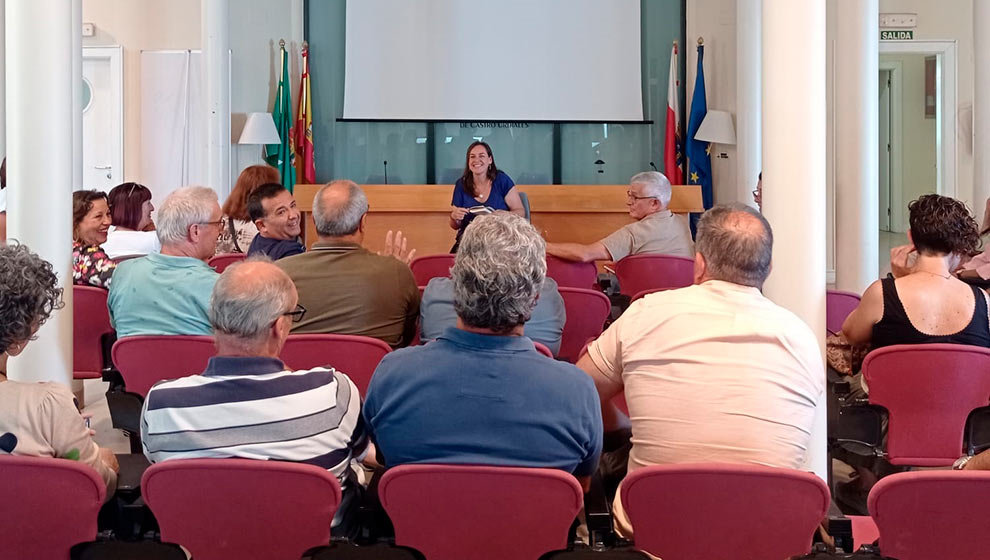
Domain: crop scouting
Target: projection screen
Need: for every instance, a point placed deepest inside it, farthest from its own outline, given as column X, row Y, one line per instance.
column 553, row 60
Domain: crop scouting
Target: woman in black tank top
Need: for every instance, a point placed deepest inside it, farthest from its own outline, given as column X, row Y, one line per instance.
column 942, row 231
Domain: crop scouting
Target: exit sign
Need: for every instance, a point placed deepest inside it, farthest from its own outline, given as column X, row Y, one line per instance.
column 897, row 35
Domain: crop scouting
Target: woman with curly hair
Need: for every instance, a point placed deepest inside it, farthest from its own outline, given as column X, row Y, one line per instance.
column 38, row 419
column 238, row 230
column 922, row 302
column 91, row 266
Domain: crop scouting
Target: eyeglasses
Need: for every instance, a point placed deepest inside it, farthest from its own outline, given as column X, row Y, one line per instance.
column 217, row 223
column 631, row 196
column 297, row 313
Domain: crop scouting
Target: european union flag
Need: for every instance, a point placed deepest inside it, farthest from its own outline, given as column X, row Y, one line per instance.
column 698, row 152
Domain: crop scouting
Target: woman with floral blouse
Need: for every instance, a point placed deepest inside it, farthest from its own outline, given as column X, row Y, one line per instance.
column 90, row 222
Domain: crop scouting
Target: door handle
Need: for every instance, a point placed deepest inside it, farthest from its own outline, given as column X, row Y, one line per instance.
column 107, row 167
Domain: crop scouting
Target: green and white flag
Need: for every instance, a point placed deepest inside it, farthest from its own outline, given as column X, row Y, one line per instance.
column 282, row 156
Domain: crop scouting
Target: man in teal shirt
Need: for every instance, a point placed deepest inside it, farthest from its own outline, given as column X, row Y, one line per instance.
column 169, row 293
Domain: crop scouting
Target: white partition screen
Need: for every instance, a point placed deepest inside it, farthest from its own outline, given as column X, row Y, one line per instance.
column 554, row 60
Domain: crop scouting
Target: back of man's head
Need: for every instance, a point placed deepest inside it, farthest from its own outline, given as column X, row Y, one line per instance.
column 338, row 208
column 255, row 201
column 655, row 184
column 737, row 244
column 182, row 208
column 498, row 272
column 248, row 298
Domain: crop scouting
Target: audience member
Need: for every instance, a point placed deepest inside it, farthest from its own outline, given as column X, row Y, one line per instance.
column 169, row 292
column 345, row 288
column 481, row 185
column 273, row 210
column 238, row 230
column 39, row 419
column 132, row 232
column 546, row 326
column 922, row 302
column 481, row 393
column 656, row 230
column 247, row 403
column 91, row 266
column 715, row 371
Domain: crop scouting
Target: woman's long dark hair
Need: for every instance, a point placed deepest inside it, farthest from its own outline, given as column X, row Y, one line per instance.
column 467, row 179
column 126, row 200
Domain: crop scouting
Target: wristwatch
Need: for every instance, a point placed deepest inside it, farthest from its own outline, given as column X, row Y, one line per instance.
column 960, row 463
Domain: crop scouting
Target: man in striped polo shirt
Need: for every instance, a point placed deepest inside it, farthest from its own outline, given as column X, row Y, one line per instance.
column 247, row 403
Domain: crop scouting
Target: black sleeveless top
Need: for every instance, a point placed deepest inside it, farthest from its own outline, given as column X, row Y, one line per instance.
column 895, row 328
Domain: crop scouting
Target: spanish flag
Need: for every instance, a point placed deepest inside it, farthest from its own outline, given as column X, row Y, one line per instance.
column 303, row 131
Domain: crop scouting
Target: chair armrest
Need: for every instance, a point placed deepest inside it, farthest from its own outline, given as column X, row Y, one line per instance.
column 840, row 529
column 125, row 410
column 978, row 431
column 861, row 423
column 598, row 515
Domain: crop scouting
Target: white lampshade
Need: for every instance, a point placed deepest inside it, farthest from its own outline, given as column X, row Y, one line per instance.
column 259, row 129
column 717, row 127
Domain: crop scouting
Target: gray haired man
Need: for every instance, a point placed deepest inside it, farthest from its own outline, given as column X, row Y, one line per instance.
column 715, row 371
column 346, row 288
column 308, row 416
column 169, row 293
column 481, row 393
column 656, row 230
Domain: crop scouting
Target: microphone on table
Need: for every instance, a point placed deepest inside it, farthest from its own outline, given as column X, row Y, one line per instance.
column 8, row 442
column 385, row 163
column 653, row 165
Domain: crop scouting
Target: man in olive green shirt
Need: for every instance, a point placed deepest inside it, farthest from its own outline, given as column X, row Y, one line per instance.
column 345, row 288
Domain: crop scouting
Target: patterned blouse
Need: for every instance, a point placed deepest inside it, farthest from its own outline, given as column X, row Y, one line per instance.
column 91, row 266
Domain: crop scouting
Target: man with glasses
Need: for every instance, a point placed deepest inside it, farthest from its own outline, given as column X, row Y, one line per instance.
column 656, row 230
column 169, row 292
column 247, row 403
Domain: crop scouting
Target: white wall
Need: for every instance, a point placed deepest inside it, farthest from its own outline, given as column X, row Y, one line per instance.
column 255, row 28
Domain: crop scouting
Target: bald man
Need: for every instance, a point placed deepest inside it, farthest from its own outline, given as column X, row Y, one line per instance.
column 345, row 288
column 715, row 371
column 252, row 308
column 656, row 231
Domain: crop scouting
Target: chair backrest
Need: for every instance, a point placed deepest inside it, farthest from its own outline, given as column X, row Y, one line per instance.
column 648, row 272
column 572, row 274
column 90, row 322
column 357, row 356
column 586, row 312
column 714, row 510
column 932, row 514
column 644, row 293
column 49, row 505
column 241, row 508
column 543, row 349
column 431, row 266
column 928, row 391
column 525, row 202
column 459, row 512
column 223, row 260
column 838, row 306
column 147, row 359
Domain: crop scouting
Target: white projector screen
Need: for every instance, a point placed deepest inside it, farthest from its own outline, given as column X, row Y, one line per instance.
column 526, row 60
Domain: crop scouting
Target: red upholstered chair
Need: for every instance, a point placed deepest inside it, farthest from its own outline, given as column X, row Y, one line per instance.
column 90, row 323
column 49, row 505
column 932, row 514
column 431, row 266
column 715, row 510
column 542, row 349
column 223, row 509
column 223, row 260
column 649, row 272
column 929, row 391
column 357, row 356
column 458, row 512
column 147, row 359
column 586, row 312
column 838, row 306
column 571, row 274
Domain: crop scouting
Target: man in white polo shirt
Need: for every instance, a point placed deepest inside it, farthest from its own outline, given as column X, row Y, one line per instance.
column 656, row 231
column 714, row 372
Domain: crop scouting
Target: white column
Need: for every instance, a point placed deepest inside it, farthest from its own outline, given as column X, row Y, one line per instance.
column 216, row 76
column 77, row 107
column 3, row 84
column 794, row 169
column 39, row 166
column 981, row 107
column 749, row 64
column 856, row 127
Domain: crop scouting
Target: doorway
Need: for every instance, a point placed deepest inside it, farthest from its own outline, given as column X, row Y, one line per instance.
column 884, row 148
column 103, row 118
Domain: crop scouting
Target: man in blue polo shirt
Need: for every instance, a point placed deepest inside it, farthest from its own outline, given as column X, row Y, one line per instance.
column 481, row 393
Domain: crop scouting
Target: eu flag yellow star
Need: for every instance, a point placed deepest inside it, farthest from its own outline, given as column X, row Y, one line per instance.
column 708, row 150
column 694, row 177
